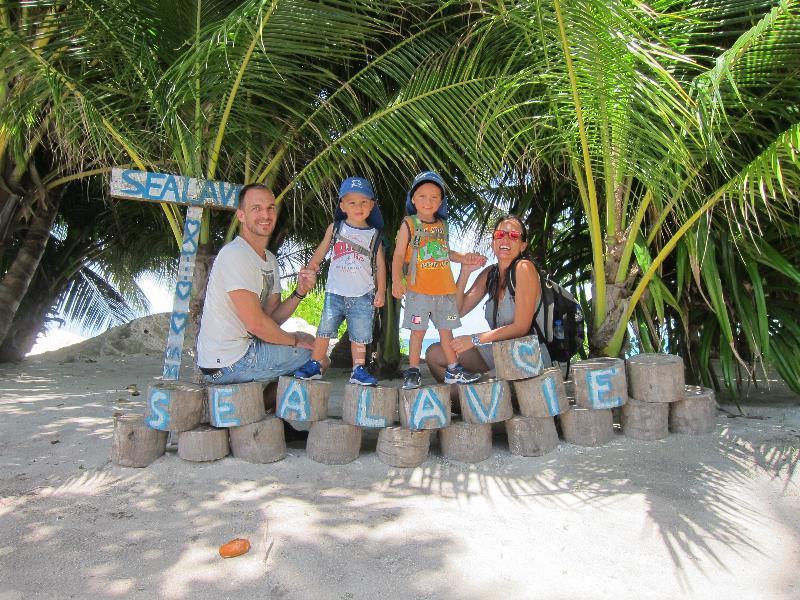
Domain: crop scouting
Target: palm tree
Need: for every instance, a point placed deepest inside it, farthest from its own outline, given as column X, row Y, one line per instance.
column 672, row 118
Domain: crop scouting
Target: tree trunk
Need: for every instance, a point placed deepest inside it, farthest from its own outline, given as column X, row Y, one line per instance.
column 202, row 269
column 388, row 344
column 17, row 279
column 29, row 321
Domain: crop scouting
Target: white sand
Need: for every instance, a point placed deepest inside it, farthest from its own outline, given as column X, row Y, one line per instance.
column 713, row 516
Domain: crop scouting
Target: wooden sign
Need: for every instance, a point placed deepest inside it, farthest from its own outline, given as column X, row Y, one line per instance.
column 130, row 184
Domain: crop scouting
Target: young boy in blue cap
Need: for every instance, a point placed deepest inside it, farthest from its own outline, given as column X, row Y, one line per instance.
column 429, row 287
column 356, row 283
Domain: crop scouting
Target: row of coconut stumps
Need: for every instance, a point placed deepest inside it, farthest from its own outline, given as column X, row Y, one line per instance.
column 649, row 388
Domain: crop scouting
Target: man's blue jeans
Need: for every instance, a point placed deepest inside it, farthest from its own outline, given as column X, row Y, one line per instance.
column 261, row 362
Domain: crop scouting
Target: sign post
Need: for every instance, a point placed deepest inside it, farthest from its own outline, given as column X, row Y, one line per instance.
column 130, row 184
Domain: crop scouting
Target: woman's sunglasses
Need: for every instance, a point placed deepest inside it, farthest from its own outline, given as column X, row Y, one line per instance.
column 499, row 234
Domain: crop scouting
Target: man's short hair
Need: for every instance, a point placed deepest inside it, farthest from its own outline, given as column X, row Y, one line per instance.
column 247, row 188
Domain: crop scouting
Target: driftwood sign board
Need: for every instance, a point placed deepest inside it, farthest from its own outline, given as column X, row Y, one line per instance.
column 130, row 184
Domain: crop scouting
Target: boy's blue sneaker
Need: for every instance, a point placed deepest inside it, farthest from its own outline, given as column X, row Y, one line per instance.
column 311, row 370
column 458, row 375
column 361, row 376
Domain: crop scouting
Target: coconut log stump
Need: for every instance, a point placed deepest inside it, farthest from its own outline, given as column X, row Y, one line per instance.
column 587, row 427
column 520, row 358
column 302, row 400
column 654, row 377
column 134, row 443
column 600, row 383
column 646, row 421
column 203, row 444
column 466, row 442
column 174, row 405
column 333, row 442
column 485, row 402
column 696, row 414
column 542, row 396
column 425, row 408
column 531, row 436
column 399, row 447
column 236, row 404
column 369, row 406
column 259, row 442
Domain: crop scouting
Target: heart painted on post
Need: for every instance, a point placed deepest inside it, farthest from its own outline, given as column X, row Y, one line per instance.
column 183, row 289
column 178, row 322
column 192, row 227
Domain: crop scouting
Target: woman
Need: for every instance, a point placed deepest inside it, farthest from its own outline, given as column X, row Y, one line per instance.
column 510, row 316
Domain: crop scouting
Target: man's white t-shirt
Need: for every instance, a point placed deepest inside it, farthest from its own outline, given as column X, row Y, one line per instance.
column 223, row 338
column 350, row 272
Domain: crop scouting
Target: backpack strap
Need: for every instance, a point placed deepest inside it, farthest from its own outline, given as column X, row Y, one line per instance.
column 337, row 227
column 512, row 286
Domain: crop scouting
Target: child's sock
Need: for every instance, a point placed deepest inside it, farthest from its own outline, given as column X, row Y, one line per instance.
column 453, row 365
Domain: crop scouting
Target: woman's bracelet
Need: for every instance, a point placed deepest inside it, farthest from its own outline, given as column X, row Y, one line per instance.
column 296, row 295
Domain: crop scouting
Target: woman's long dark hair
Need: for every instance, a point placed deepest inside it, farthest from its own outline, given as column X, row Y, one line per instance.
column 493, row 278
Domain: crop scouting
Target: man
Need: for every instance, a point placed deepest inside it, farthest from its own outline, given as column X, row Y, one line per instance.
column 240, row 337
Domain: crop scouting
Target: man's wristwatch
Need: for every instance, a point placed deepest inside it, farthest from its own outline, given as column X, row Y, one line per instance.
column 476, row 341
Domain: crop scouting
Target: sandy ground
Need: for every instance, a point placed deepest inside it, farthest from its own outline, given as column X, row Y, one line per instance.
column 713, row 516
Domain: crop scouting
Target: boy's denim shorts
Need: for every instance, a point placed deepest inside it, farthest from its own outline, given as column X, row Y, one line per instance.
column 261, row 362
column 358, row 311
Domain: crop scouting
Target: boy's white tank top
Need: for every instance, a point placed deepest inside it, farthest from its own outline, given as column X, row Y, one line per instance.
column 350, row 272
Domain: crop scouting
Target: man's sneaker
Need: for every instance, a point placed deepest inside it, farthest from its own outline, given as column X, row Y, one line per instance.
column 411, row 379
column 361, row 376
column 458, row 375
column 311, row 370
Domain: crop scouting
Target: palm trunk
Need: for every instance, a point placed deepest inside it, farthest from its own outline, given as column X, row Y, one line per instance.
column 17, row 279
column 30, row 320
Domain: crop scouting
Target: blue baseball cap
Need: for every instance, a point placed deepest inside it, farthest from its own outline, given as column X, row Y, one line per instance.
column 361, row 186
column 427, row 177
column 356, row 184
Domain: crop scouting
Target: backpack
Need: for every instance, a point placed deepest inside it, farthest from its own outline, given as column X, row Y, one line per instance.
column 557, row 304
column 410, row 268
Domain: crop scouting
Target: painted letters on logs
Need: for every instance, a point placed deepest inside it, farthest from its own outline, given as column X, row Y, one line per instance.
column 333, row 442
column 236, row 404
column 425, row 408
column 542, row 396
column 259, row 442
column 485, row 402
column 203, row 443
column 134, row 444
column 369, row 406
column 654, row 377
column 600, row 383
column 520, row 358
column 696, row 414
column 174, row 405
column 531, row 436
column 587, row 427
column 400, row 447
column 302, row 400
column 645, row 420
column 466, row 442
